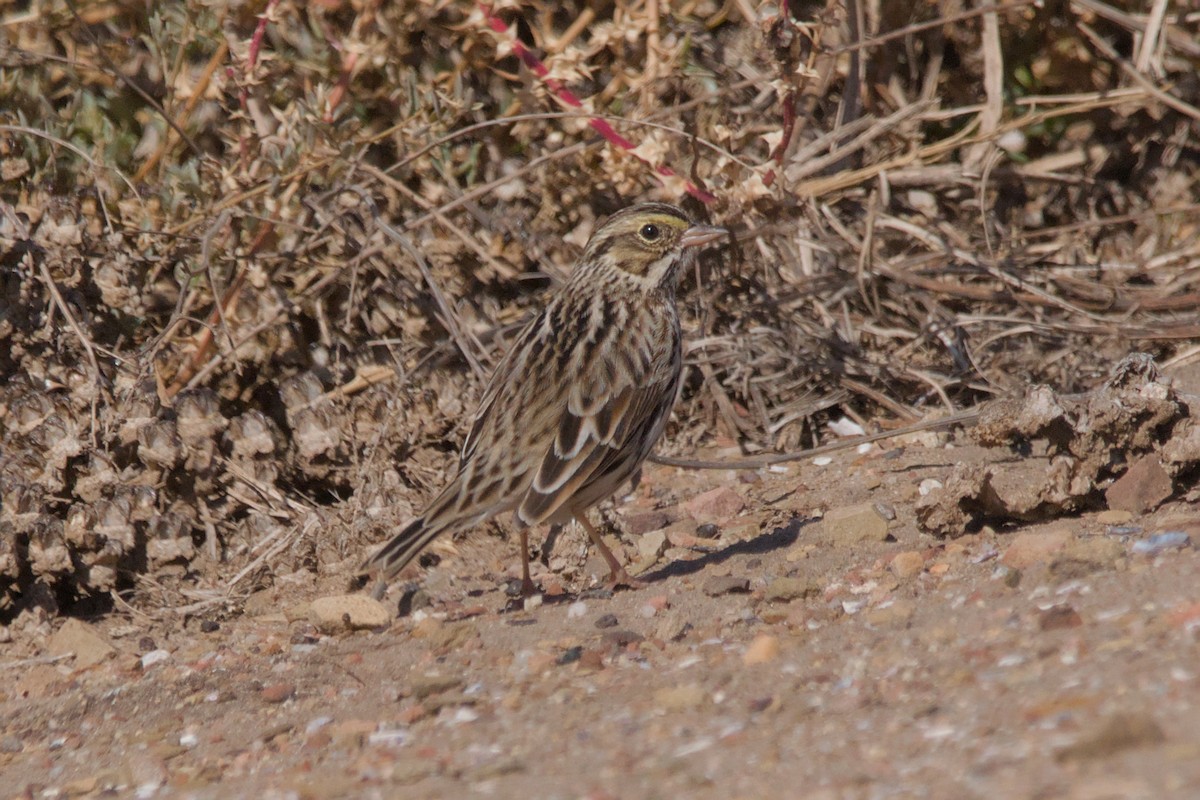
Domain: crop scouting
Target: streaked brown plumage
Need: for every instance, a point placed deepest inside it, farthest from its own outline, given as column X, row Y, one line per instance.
column 577, row 404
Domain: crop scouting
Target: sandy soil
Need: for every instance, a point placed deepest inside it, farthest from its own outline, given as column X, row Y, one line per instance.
column 810, row 644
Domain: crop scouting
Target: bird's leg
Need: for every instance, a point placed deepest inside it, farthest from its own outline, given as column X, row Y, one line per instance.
column 527, row 587
column 617, row 575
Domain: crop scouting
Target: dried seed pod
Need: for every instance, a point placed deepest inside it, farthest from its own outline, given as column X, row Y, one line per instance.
column 113, row 524
column 48, row 550
column 169, row 538
column 139, row 407
column 300, row 392
column 252, row 434
column 315, row 433
column 142, row 501
column 10, row 553
column 57, row 439
column 159, row 444
column 20, row 502
column 198, row 416
column 29, row 411
column 80, row 528
column 200, row 456
column 97, row 478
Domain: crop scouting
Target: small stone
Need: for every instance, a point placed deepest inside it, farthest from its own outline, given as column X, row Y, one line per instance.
column 907, row 564
column 785, row 590
column 763, row 649
column 532, row 602
column 277, row 692
column 426, row 685
column 606, row 621
column 679, row 698
column 1085, row 556
column 645, row 522
column 725, row 584
column 154, row 657
column 1121, row 731
column 577, row 610
column 1028, row 549
column 1059, row 617
column 345, row 612
column 652, row 544
column 855, row 524
column 1113, row 517
column 1160, row 542
column 82, row 640
column 715, row 505
column 896, row 614
column 209, row 626
column 1142, row 488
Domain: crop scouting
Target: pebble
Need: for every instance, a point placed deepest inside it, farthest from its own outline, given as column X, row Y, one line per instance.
column 1085, row 556
column 1142, row 488
column 725, row 584
column 426, row 685
column 763, row 649
column 532, row 602
column 1121, row 731
column 277, row 692
column 645, row 522
column 154, row 657
column 679, row 698
column 344, row 612
column 715, row 505
column 606, row 621
column 577, row 609
column 907, row 564
column 1168, row 540
column 1028, row 549
column 787, row 589
column 651, row 545
column 855, row 524
column 1113, row 517
column 82, row 640
column 1059, row 617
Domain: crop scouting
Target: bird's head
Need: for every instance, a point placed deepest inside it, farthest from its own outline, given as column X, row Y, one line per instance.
column 649, row 242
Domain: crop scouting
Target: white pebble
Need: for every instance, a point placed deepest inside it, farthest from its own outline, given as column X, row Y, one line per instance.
column 576, row 609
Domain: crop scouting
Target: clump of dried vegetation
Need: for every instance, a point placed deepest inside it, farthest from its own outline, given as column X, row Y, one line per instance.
column 255, row 259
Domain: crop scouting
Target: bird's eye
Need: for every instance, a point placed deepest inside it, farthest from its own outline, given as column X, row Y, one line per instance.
column 650, row 232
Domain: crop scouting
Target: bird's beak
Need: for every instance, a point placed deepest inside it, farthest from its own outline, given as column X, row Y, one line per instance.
column 700, row 235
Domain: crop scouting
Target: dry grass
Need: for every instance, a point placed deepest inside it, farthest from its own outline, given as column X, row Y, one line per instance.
column 318, row 224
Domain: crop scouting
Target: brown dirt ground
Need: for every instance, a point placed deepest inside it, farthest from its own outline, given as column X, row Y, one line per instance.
column 1053, row 661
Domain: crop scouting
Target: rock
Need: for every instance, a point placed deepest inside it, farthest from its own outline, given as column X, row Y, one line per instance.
column 725, row 584
column 156, row 656
column 82, row 640
column 897, row 614
column 1142, row 488
column 907, row 564
column 1028, row 549
column 347, row 612
column 679, row 698
column 606, row 621
column 651, row 545
column 646, row 521
column 1160, row 542
column 855, row 524
column 277, row 692
column 425, row 685
column 1085, row 556
column 763, row 649
column 1059, row 617
column 1121, row 731
column 1112, row 517
column 785, row 590
column 715, row 505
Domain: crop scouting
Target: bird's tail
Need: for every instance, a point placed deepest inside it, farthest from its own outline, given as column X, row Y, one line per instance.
column 402, row 548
